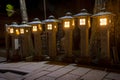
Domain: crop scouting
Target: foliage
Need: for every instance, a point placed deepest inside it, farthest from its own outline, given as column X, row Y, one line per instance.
column 10, row 10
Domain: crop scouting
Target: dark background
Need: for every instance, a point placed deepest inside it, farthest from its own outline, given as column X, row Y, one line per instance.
column 57, row 8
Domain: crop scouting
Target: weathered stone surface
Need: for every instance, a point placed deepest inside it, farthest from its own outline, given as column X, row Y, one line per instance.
column 3, row 79
column 69, row 77
column 46, row 78
column 70, row 67
column 42, row 71
column 54, row 68
column 12, row 75
column 94, row 75
column 80, row 71
column 113, row 76
column 59, row 72
column 36, row 76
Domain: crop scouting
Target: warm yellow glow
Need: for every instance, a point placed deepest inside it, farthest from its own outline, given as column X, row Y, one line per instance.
column 11, row 30
column 26, row 30
column 39, row 27
column 49, row 26
column 73, row 23
column 34, row 28
column 55, row 27
column 67, row 24
column 82, row 21
column 21, row 31
column 103, row 21
column 17, row 32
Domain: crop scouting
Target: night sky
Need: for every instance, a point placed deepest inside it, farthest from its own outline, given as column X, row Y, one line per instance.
column 57, row 8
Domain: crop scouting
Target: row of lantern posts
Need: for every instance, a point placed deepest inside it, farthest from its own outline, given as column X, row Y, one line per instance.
column 21, row 40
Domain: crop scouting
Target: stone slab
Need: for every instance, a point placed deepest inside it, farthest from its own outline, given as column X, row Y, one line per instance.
column 2, row 76
column 12, row 75
column 69, row 77
column 59, row 72
column 114, row 76
column 94, row 75
column 70, row 67
column 80, row 71
column 54, row 68
column 9, row 76
column 45, row 78
column 36, row 76
column 3, row 79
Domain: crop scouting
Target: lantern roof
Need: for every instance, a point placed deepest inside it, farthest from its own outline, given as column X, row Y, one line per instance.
column 67, row 16
column 103, row 12
column 14, row 24
column 83, row 12
column 51, row 19
column 24, row 24
column 35, row 21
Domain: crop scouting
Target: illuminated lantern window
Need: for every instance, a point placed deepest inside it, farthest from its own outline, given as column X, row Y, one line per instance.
column 73, row 23
column 39, row 27
column 34, row 28
column 55, row 27
column 17, row 31
column 82, row 21
column 103, row 21
column 49, row 26
column 11, row 30
column 67, row 24
column 26, row 30
column 22, row 31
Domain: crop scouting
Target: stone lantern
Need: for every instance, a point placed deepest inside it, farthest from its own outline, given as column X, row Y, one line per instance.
column 12, row 33
column 51, row 27
column 67, row 22
column 83, row 22
column 26, row 45
column 37, row 30
column 104, row 20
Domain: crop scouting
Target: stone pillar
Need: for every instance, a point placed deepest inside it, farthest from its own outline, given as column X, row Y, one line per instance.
column 84, row 42
column 105, row 43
